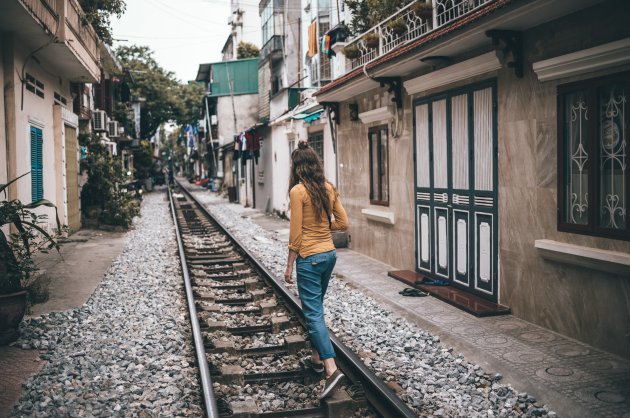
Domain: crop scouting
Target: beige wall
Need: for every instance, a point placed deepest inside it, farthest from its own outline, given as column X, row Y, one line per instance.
column 393, row 244
column 3, row 132
column 34, row 111
column 264, row 188
column 585, row 304
column 280, row 168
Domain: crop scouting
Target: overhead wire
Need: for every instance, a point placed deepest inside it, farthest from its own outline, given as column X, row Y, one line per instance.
column 186, row 15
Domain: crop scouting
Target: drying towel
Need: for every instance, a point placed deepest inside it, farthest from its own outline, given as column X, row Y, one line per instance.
column 312, row 39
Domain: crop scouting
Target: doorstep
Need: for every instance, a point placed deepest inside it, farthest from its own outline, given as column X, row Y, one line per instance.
column 451, row 295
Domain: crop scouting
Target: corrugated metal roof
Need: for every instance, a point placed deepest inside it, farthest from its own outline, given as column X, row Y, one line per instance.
column 204, row 73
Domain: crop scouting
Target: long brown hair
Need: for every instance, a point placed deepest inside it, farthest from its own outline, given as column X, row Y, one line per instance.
column 307, row 168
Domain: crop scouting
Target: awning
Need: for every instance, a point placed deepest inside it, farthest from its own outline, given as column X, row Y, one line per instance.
column 309, row 117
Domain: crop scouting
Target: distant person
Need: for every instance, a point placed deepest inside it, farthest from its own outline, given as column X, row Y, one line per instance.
column 315, row 211
column 171, row 177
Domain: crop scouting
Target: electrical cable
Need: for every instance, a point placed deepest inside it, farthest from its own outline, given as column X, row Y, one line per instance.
column 22, row 75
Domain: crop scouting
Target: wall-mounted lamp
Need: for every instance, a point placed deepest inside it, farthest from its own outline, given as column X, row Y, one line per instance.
column 436, row 61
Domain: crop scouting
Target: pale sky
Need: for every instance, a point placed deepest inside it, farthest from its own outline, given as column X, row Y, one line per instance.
column 182, row 33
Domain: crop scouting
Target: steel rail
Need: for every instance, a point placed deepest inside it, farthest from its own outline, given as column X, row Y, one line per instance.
column 381, row 397
column 212, row 411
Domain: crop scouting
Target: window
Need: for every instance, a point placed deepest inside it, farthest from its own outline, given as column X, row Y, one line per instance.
column 60, row 100
column 34, row 86
column 316, row 141
column 379, row 166
column 266, row 18
column 324, row 62
column 276, row 85
column 593, row 179
column 37, row 166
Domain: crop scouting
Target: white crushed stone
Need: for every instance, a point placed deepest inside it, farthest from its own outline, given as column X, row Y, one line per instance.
column 128, row 351
column 429, row 377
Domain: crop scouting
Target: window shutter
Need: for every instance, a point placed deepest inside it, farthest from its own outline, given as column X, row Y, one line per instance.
column 37, row 180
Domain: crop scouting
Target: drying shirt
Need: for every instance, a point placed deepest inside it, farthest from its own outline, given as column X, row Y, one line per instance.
column 308, row 234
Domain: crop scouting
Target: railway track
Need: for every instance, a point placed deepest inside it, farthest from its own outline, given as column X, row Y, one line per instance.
column 250, row 336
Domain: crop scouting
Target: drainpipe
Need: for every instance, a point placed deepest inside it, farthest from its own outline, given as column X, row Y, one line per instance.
column 333, row 136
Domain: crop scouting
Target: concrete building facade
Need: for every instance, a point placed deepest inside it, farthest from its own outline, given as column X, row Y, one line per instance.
column 44, row 50
column 461, row 158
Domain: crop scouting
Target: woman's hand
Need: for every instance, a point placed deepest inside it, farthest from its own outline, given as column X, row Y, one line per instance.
column 290, row 263
column 288, row 273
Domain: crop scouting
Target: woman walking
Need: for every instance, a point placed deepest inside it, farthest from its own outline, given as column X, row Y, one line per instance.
column 315, row 211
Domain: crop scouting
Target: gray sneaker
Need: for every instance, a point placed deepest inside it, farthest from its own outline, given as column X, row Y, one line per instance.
column 316, row 367
column 331, row 383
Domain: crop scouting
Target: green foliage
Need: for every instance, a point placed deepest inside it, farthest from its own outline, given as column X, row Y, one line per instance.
column 190, row 103
column 367, row 13
column 360, row 16
column 98, row 13
column 143, row 162
column 153, row 83
column 246, row 50
column 166, row 99
column 16, row 250
column 105, row 189
column 351, row 51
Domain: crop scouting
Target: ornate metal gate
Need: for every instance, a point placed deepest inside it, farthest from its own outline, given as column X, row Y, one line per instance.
column 455, row 155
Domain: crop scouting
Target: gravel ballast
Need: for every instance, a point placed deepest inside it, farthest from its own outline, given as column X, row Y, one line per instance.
column 429, row 377
column 128, row 351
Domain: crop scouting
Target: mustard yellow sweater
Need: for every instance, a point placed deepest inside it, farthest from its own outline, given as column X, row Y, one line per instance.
column 309, row 235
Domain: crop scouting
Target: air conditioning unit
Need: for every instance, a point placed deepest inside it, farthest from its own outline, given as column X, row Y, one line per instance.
column 113, row 129
column 99, row 120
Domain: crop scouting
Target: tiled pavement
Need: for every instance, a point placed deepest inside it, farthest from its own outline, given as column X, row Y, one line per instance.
column 573, row 379
column 75, row 273
column 16, row 366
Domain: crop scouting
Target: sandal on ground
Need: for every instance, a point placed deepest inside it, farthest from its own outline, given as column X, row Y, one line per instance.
column 316, row 367
column 408, row 291
column 331, row 383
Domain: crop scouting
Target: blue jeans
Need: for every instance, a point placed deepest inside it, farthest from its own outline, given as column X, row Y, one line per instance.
column 313, row 274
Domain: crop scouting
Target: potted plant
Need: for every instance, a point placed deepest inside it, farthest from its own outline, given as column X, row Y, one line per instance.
column 397, row 26
column 351, row 51
column 423, row 9
column 16, row 250
column 371, row 39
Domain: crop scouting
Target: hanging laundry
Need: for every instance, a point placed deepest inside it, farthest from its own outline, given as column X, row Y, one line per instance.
column 254, row 143
column 337, row 34
column 243, row 140
column 312, row 39
column 237, row 148
column 326, row 42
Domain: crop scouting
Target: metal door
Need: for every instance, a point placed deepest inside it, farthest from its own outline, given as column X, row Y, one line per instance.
column 455, row 156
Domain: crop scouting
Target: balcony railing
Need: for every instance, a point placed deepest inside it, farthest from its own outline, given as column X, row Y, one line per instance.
column 66, row 20
column 45, row 12
column 82, row 30
column 408, row 24
column 273, row 44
